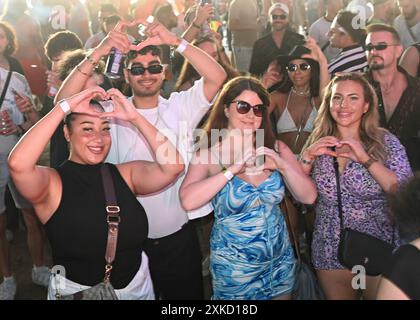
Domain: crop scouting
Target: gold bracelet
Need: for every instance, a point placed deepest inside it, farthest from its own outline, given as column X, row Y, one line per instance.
column 84, row 73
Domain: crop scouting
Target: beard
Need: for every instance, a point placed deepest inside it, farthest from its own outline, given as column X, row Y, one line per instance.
column 142, row 92
column 376, row 66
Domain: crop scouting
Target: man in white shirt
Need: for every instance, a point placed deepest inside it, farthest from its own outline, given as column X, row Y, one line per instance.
column 407, row 23
column 320, row 28
column 172, row 247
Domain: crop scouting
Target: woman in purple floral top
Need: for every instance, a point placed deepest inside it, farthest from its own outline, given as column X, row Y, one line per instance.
column 372, row 162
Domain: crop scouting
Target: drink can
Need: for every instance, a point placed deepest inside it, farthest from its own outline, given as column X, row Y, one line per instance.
column 115, row 64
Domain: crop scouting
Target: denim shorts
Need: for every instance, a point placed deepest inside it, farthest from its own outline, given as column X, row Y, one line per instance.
column 5, row 179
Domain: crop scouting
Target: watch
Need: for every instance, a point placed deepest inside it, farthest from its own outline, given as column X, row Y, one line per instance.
column 368, row 163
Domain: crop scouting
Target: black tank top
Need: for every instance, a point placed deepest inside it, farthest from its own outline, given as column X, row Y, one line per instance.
column 404, row 270
column 417, row 46
column 78, row 229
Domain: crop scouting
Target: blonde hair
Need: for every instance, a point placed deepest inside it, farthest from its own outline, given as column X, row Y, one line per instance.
column 371, row 135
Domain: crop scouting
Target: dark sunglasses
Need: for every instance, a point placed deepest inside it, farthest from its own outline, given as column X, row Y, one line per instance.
column 243, row 108
column 153, row 69
column 378, row 47
column 303, row 66
column 279, row 16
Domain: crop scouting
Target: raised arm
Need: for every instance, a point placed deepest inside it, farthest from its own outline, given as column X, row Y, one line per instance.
column 213, row 74
column 202, row 15
column 76, row 80
column 36, row 183
column 145, row 176
column 318, row 55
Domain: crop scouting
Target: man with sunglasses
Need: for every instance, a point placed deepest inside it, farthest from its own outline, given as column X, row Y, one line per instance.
column 398, row 92
column 172, row 247
column 278, row 42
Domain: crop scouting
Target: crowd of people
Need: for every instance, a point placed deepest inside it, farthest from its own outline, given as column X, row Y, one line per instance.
column 209, row 116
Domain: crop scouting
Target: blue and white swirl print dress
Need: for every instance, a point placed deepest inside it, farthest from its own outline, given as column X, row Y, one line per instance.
column 251, row 256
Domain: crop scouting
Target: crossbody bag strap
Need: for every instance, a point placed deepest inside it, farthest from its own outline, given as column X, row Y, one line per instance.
column 112, row 218
column 340, row 205
column 6, row 85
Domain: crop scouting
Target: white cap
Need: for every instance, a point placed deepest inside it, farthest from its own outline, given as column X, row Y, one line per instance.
column 279, row 5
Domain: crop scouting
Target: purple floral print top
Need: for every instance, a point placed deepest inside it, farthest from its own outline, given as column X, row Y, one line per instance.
column 364, row 203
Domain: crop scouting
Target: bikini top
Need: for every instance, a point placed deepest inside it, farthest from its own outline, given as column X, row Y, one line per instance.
column 286, row 123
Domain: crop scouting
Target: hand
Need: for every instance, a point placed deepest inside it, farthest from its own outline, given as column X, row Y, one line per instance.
column 157, row 35
column 316, row 52
column 354, row 150
column 80, row 102
column 23, row 103
column 123, row 109
column 116, row 38
column 7, row 126
column 53, row 79
column 242, row 161
column 321, row 147
column 203, row 13
column 273, row 161
column 271, row 77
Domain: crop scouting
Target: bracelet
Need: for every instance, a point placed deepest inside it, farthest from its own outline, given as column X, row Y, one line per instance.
column 182, row 46
column 307, row 162
column 228, row 174
column 368, row 163
column 196, row 25
column 80, row 70
column 65, row 106
column 89, row 58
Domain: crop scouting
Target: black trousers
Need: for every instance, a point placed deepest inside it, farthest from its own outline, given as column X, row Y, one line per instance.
column 175, row 265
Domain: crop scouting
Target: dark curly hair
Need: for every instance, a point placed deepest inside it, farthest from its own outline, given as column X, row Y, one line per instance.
column 405, row 206
column 11, row 38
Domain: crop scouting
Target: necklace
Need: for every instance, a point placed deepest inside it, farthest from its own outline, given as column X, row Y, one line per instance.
column 301, row 93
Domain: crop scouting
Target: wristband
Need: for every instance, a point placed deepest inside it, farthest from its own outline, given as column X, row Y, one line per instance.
column 65, row 106
column 182, row 46
column 228, row 174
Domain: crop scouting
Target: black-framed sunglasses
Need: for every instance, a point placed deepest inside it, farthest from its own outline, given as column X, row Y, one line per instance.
column 243, row 108
column 378, row 47
column 153, row 69
column 279, row 16
column 303, row 66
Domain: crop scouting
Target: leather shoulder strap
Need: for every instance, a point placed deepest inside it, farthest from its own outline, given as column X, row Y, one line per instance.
column 113, row 218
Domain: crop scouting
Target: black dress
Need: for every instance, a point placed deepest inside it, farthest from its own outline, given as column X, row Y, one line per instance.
column 78, row 229
column 404, row 270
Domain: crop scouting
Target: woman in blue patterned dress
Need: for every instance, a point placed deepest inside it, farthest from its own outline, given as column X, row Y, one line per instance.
column 372, row 162
column 250, row 253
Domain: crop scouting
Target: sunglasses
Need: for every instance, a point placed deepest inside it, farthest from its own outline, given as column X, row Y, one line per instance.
column 279, row 16
column 379, row 47
column 153, row 69
column 243, row 108
column 303, row 66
